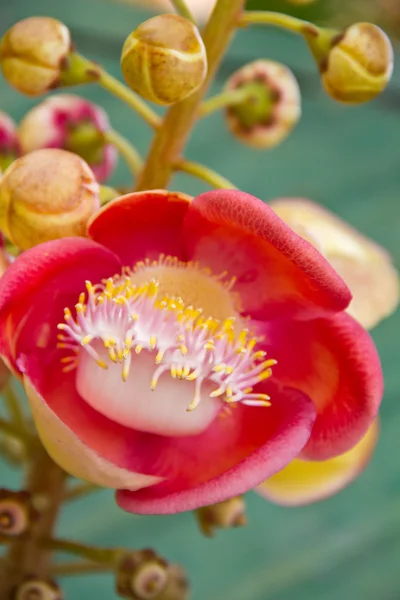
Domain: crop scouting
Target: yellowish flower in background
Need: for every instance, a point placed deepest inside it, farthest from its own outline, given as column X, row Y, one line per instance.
column 365, row 266
column 304, row 482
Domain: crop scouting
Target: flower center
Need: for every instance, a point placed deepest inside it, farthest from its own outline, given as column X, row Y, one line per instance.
column 169, row 328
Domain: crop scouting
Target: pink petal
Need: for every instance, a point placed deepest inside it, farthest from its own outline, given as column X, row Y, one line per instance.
column 76, row 457
column 236, row 453
column 38, row 285
column 142, row 225
column 278, row 273
column 334, row 362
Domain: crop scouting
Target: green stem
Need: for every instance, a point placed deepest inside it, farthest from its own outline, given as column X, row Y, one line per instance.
column 172, row 136
column 107, row 556
column 25, row 557
column 14, row 431
column 202, row 172
column 223, row 100
column 261, row 17
column 14, row 407
column 79, row 568
column 133, row 100
column 182, row 9
column 79, row 491
column 127, row 151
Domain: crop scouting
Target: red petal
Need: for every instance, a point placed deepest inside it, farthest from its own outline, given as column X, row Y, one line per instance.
column 334, row 362
column 236, row 453
column 142, row 225
column 277, row 271
column 39, row 284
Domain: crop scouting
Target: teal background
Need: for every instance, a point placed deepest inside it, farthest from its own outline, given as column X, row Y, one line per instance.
column 347, row 158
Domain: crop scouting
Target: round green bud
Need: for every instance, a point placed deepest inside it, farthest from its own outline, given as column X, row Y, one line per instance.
column 164, row 59
column 32, row 54
column 271, row 104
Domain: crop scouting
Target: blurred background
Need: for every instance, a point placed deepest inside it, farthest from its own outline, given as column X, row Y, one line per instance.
column 346, row 158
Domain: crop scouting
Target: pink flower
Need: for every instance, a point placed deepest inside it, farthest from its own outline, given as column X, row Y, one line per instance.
column 9, row 144
column 71, row 123
column 173, row 305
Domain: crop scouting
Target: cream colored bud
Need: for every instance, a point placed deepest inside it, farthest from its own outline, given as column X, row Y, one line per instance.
column 32, row 53
column 164, row 59
column 37, row 589
column 364, row 265
column 16, row 513
column 141, row 575
column 272, row 107
column 177, row 587
column 45, row 195
column 223, row 515
column 359, row 64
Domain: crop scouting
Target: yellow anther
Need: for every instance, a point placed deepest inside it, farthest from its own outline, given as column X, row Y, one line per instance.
column 193, row 375
column 218, row 392
column 185, row 371
column 153, row 342
column 219, row 368
column 183, row 349
column 159, row 357
column 173, row 371
column 86, row 340
column 101, row 363
column 112, row 354
column 138, row 348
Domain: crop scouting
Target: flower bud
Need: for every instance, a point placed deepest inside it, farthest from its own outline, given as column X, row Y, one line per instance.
column 177, row 587
column 164, row 59
column 223, row 515
column 272, row 108
column 45, row 195
column 356, row 65
column 71, row 123
column 32, row 53
column 16, row 513
column 34, row 588
column 364, row 265
column 141, row 575
column 9, row 144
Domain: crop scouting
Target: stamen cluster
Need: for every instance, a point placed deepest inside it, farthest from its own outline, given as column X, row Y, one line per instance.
column 129, row 319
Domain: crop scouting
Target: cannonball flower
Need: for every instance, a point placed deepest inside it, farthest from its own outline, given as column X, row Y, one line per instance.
column 188, row 350
column 71, row 123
